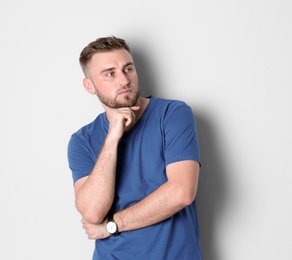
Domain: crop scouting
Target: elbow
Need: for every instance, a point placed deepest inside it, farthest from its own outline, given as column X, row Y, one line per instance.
column 92, row 218
column 186, row 200
column 185, row 197
column 90, row 214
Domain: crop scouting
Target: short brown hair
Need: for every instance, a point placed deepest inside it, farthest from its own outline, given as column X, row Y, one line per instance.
column 103, row 44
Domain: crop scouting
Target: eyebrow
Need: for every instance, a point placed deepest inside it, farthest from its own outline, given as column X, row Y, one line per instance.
column 113, row 68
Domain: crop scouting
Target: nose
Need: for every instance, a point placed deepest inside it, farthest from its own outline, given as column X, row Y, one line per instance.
column 123, row 79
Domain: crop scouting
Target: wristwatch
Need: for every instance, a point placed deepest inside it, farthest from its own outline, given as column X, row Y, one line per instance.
column 112, row 227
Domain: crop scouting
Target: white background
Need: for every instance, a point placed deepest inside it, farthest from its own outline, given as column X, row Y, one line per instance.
column 229, row 60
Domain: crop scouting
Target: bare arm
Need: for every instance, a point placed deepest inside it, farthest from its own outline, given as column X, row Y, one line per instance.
column 94, row 194
column 178, row 192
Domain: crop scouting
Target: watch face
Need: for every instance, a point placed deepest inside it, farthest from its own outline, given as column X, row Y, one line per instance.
column 111, row 227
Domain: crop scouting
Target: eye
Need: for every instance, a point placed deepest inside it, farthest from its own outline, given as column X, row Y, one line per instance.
column 109, row 74
column 128, row 69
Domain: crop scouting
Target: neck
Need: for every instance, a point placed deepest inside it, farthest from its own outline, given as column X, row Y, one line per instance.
column 142, row 103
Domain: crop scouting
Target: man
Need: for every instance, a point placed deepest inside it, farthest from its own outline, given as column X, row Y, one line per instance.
column 136, row 166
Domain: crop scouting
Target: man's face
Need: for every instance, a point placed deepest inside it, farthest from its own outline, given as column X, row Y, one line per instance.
column 113, row 78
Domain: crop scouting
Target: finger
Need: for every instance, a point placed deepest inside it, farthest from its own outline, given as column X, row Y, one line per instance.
column 129, row 120
column 135, row 108
column 90, row 235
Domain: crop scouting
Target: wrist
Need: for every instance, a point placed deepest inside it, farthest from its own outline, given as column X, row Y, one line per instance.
column 112, row 140
column 117, row 217
column 111, row 226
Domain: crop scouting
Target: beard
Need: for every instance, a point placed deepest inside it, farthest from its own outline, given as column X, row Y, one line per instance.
column 126, row 101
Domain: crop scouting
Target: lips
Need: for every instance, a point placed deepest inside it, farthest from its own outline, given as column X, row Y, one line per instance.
column 124, row 92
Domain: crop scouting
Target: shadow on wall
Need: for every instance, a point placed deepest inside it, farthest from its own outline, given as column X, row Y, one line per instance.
column 146, row 76
column 212, row 189
column 211, row 194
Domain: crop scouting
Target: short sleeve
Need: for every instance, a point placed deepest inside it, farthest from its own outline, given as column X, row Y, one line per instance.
column 180, row 134
column 80, row 159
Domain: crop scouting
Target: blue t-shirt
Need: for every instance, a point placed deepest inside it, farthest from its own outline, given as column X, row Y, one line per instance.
column 165, row 133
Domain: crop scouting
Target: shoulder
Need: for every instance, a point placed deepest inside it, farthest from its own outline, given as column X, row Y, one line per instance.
column 171, row 106
column 90, row 128
column 93, row 132
column 168, row 105
column 166, row 102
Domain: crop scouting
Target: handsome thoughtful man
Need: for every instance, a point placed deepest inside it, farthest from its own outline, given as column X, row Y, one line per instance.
column 136, row 166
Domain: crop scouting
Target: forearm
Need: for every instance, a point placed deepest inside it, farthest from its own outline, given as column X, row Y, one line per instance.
column 178, row 192
column 164, row 202
column 94, row 198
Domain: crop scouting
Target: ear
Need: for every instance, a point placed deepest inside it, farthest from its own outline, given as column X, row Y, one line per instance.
column 89, row 87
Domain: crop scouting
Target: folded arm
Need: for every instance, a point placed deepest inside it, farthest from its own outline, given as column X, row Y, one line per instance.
column 178, row 192
column 100, row 185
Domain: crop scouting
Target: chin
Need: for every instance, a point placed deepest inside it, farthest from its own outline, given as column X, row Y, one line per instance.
column 120, row 101
column 128, row 101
